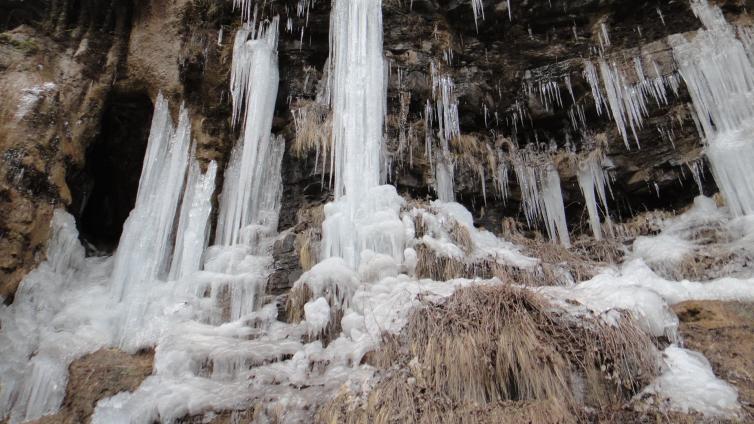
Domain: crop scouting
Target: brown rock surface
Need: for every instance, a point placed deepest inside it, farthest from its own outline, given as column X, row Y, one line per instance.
column 96, row 376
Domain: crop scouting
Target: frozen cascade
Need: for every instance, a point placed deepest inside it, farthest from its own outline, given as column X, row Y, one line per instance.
column 593, row 183
column 193, row 224
column 720, row 79
column 145, row 248
column 219, row 343
column 364, row 215
column 33, row 367
column 76, row 305
column 357, row 89
column 254, row 84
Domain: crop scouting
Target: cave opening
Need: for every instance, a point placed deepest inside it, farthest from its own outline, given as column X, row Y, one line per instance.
column 105, row 190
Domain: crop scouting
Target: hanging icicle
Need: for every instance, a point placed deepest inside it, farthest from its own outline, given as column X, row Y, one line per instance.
column 594, row 185
column 720, row 80
column 257, row 155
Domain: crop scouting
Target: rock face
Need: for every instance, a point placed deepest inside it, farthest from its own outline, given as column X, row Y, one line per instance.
column 55, row 76
column 79, row 79
column 101, row 374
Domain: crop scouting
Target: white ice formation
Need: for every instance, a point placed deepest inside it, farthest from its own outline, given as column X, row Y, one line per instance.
column 719, row 75
column 219, row 344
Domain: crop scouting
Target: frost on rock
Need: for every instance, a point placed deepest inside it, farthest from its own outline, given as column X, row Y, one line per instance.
column 31, row 97
column 720, row 79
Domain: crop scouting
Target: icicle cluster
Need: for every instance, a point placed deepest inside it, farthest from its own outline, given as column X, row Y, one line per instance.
column 365, row 215
column 257, row 155
column 627, row 102
column 720, row 78
column 357, row 88
column 541, row 194
column 145, row 248
column 445, row 113
column 594, row 185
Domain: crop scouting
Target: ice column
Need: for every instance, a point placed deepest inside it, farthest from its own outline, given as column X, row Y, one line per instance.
column 446, row 108
column 146, row 245
column 593, row 181
column 191, row 238
column 720, row 80
column 357, row 95
column 541, row 194
column 553, row 209
column 365, row 215
column 256, row 156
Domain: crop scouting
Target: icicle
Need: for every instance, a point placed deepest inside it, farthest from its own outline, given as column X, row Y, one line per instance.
column 365, row 216
column 590, row 74
column 254, row 84
column 145, row 246
column 720, row 80
column 552, row 206
column 357, row 79
column 444, row 176
column 697, row 172
column 478, row 8
column 191, row 239
column 502, row 179
column 448, row 121
column 541, row 194
column 604, row 36
column 593, row 180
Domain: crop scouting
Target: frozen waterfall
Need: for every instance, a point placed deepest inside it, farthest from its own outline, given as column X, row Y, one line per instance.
column 720, row 79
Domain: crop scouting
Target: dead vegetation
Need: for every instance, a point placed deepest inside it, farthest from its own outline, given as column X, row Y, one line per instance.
column 313, row 123
column 501, row 354
column 309, row 234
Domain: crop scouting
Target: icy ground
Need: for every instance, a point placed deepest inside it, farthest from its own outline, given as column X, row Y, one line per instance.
column 204, row 362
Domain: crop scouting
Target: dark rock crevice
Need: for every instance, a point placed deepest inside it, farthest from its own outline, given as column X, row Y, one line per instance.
column 104, row 191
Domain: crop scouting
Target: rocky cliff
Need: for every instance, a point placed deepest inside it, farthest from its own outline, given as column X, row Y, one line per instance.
column 80, row 78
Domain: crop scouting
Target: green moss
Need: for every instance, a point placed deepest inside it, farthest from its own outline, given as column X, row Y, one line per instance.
column 27, row 46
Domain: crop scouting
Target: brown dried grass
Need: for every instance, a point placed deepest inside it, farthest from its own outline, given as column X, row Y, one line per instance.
column 461, row 236
column 501, row 354
column 313, row 123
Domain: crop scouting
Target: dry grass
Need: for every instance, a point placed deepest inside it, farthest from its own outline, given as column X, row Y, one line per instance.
column 461, row 237
column 438, row 268
column 313, row 129
column 501, row 354
column 442, row 268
